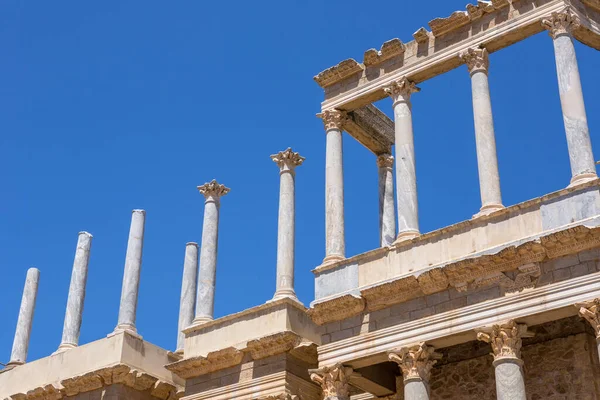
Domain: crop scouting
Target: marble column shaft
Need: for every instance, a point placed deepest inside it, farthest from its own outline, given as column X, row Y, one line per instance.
column 287, row 161
column 477, row 61
column 20, row 347
column 131, row 275
column 335, row 247
column 560, row 26
column 205, row 300
column 75, row 300
column 187, row 302
column 406, row 178
column 387, row 211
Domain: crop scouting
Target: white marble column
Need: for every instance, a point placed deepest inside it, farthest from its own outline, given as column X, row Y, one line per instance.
column 477, row 61
column 406, row 178
column 506, row 343
column 187, row 300
column 131, row 275
column 333, row 381
column 73, row 315
column 20, row 347
column 335, row 245
column 415, row 362
column 560, row 26
column 387, row 211
column 287, row 161
column 205, row 300
column 590, row 310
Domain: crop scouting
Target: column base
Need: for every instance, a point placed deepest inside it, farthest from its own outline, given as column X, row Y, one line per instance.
column 13, row 364
column 202, row 319
column 64, row 347
column 286, row 295
column 406, row 235
column 488, row 209
column 333, row 258
column 128, row 329
column 582, row 178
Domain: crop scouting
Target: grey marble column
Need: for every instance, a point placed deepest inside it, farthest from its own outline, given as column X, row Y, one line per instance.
column 73, row 315
column 335, row 244
column 387, row 211
column 205, row 300
column 287, row 161
column 477, row 61
column 506, row 342
column 406, row 178
column 188, row 293
column 415, row 362
column 131, row 275
column 560, row 26
column 20, row 347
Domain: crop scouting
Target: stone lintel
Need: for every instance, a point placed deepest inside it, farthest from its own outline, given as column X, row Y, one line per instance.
column 372, row 128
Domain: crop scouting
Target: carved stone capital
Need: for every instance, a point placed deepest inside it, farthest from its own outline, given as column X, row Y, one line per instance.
column 333, row 119
column 333, row 380
column 385, row 161
column 401, row 90
column 506, row 339
column 282, row 396
column 415, row 361
column 477, row 60
column 287, row 160
column 213, row 189
column 561, row 23
column 590, row 310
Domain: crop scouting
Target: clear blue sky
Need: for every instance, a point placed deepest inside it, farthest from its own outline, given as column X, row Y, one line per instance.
column 111, row 106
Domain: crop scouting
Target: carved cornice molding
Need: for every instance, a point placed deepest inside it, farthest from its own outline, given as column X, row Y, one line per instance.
column 590, row 310
column 274, row 344
column 477, row 11
column 337, row 309
column 441, row 26
column 118, row 374
column 477, row 60
column 398, row 291
column 505, row 339
column 214, row 361
column 288, row 159
column 338, row 72
column 561, row 23
column 421, row 35
column 333, row 119
column 282, row 396
column 525, row 278
column 333, row 380
column 401, row 90
column 385, row 161
column 415, row 361
column 213, row 189
column 390, row 49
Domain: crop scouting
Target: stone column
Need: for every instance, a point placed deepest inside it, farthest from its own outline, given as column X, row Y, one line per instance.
column 205, row 300
column 287, row 161
column 335, row 245
column 187, row 300
column 406, row 179
column 590, row 310
column 131, row 275
column 560, row 26
column 333, row 381
column 73, row 315
column 415, row 362
column 20, row 347
column 506, row 346
column 387, row 212
column 477, row 61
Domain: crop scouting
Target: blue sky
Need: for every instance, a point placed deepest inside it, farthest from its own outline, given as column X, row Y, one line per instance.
column 111, row 106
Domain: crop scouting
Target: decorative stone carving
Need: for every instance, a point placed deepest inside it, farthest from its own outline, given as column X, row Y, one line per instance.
column 333, row 119
column 441, row 26
column 337, row 309
column 401, row 89
column 391, row 48
column 561, row 23
column 273, row 344
column 415, row 361
column 421, row 36
column 433, row 281
column 398, row 291
column 385, row 161
column 214, row 361
column 505, row 339
column 338, row 72
column 333, row 380
column 213, row 189
column 590, row 310
column 477, row 60
column 288, row 158
column 571, row 240
column 525, row 278
column 306, row 351
column 282, row 396
column 477, row 11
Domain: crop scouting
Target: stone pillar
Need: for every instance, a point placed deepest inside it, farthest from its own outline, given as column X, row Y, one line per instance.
column 415, row 362
column 287, row 161
column 387, row 212
column 506, row 346
column 20, row 347
column 131, row 276
column 187, row 300
column 73, row 315
column 560, row 26
column 205, row 300
column 333, row 381
column 406, row 179
column 590, row 310
column 477, row 61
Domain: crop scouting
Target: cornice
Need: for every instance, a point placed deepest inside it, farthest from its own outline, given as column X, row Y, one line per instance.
column 200, row 365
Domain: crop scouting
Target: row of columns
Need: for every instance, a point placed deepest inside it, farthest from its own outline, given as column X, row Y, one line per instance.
column 560, row 26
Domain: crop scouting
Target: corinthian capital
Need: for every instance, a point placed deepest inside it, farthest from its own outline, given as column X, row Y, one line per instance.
column 287, row 159
column 505, row 339
column 333, row 119
column 333, row 380
column 415, row 361
column 590, row 310
column 213, row 189
column 560, row 23
column 476, row 60
column 385, row 160
column 401, row 89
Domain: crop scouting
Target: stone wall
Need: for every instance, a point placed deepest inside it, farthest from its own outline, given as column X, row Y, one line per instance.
column 113, row 392
column 467, row 380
